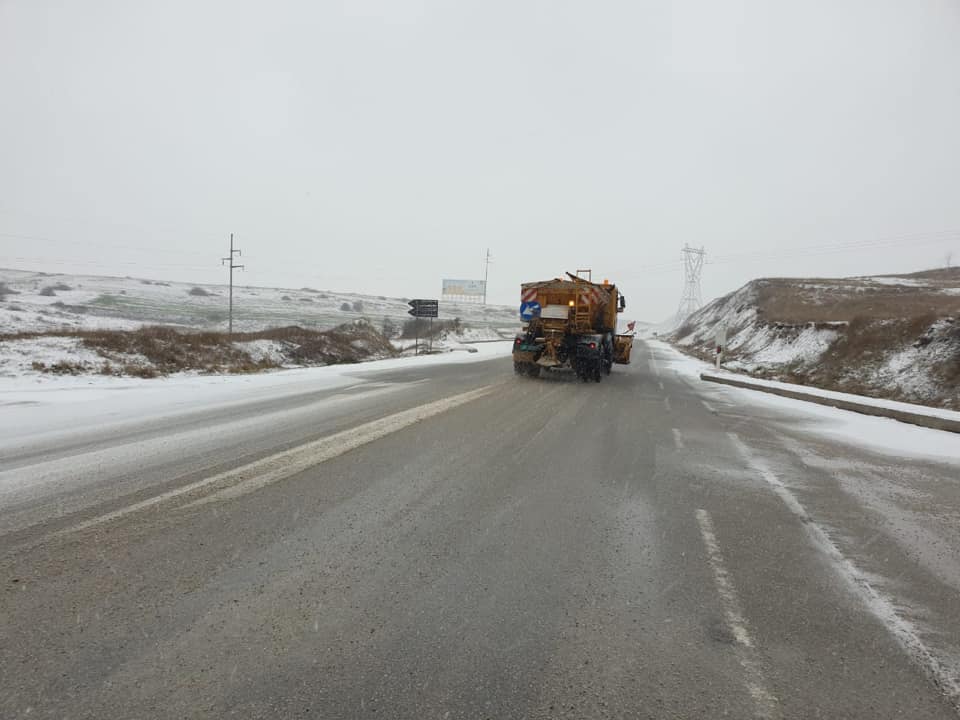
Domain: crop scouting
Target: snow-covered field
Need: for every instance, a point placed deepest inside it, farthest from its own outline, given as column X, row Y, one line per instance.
column 32, row 302
column 41, row 302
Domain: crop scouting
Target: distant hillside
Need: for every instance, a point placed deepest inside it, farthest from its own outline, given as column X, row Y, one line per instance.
column 35, row 301
column 893, row 336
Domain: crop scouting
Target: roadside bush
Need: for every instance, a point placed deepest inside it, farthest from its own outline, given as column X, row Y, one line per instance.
column 199, row 292
column 62, row 367
column 389, row 328
column 422, row 327
column 140, row 371
column 358, row 306
column 49, row 291
column 345, row 307
column 6, row 290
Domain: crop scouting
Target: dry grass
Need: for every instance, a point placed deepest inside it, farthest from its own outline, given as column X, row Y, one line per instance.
column 799, row 301
column 161, row 350
column 852, row 361
column 864, row 344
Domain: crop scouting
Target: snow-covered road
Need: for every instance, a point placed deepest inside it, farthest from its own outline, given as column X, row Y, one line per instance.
column 426, row 537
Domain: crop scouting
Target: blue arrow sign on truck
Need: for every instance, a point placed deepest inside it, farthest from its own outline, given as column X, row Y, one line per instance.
column 529, row 310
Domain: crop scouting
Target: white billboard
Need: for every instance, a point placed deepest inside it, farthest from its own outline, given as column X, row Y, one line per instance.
column 464, row 290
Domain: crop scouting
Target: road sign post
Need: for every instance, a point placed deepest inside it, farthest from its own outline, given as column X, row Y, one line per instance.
column 720, row 339
column 421, row 308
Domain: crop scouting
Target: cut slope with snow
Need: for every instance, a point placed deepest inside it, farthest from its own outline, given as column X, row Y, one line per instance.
column 889, row 336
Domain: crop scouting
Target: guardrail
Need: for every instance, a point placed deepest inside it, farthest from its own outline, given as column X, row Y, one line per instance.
column 925, row 417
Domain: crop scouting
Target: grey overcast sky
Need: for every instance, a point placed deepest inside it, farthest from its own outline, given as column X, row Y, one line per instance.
column 380, row 145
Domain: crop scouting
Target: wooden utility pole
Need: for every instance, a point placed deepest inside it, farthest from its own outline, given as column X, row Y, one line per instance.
column 486, row 273
column 233, row 266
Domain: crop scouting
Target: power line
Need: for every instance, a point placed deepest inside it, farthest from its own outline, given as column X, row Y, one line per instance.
column 86, row 244
column 806, row 251
column 828, row 249
column 233, row 266
column 105, row 266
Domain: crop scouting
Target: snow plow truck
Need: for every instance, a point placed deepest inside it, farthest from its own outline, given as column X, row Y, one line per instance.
column 571, row 324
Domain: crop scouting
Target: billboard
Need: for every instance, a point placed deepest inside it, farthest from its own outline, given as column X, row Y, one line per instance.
column 464, row 290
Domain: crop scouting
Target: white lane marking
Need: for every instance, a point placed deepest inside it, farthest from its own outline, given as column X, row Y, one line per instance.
column 128, row 457
column 666, row 404
column 661, row 385
column 944, row 676
column 653, row 364
column 289, row 462
column 677, row 439
column 767, row 704
column 269, row 470
column 709, row 407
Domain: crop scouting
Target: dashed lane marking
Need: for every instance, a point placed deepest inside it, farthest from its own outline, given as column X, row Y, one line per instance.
column 677, row 439
column 766, row 703
column 653, row 364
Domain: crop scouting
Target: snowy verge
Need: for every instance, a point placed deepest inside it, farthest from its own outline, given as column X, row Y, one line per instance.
column 904, row 412
column 31, row 408
column 878, row 434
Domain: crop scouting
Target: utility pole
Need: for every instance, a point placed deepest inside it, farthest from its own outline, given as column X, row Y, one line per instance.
column 233, row 266
column 691, row 300
column 486, row 273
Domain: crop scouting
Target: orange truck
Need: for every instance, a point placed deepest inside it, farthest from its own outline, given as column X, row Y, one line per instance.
column 571, row 325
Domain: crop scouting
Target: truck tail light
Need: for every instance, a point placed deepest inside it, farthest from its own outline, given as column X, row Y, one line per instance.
column 593, row 346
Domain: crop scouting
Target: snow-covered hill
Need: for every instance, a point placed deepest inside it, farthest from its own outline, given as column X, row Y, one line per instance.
column 34, row 301
column 889, row 336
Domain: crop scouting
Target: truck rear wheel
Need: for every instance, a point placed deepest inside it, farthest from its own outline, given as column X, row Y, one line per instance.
column 526, row 368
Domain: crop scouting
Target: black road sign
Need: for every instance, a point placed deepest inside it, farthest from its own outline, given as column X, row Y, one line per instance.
column 424, row 308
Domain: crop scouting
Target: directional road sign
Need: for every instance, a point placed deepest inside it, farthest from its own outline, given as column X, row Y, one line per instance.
column 424, row 308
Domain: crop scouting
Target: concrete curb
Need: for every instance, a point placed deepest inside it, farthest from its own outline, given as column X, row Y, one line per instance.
column 914, row 418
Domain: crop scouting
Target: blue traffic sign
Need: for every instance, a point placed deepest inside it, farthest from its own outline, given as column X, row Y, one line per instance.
column 529, row 310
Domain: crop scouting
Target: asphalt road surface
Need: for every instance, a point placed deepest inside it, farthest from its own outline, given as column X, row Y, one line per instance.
column 458, row 542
